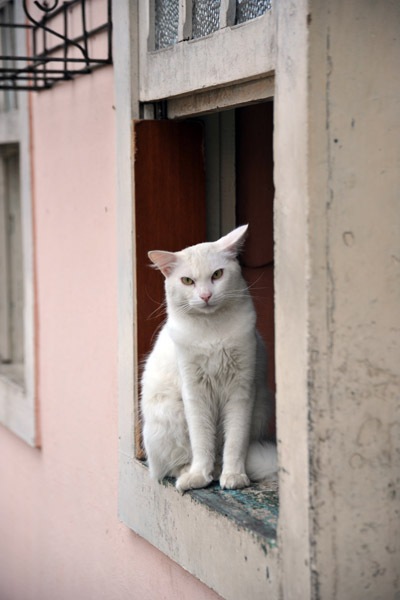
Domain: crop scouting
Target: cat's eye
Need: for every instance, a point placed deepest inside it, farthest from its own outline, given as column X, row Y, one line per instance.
column 187, row 281
column 217, row 274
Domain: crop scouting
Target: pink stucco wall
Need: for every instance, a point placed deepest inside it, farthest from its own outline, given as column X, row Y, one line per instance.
column 60, row 537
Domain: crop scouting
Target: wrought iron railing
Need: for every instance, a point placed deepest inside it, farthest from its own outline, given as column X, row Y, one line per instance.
column 53, row 53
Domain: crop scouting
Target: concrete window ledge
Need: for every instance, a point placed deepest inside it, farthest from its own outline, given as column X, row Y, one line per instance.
column 226, row 538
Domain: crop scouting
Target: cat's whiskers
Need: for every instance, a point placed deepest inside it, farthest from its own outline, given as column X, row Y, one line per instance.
column 234, row 294
column 159, row 311
column 251, row 285
column 182, row 308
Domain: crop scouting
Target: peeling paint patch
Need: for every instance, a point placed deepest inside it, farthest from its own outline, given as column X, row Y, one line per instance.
column 255, row 508
column 264, row 549
column 356, row 461
column 348, row 238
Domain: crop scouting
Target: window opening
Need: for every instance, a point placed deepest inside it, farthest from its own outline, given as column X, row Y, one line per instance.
column 237, row 144
column 11, row 267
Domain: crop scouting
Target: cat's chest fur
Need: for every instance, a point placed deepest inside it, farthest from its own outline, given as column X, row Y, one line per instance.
column 213, row 352
column 217, row 361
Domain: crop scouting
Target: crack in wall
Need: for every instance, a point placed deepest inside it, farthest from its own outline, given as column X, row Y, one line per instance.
column 330, row 282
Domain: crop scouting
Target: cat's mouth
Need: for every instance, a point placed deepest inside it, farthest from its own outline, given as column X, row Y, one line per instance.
column 204, row 307
column 207, row 307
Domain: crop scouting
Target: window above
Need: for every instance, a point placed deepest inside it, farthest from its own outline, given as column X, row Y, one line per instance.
column 194, row 45
column 176, row 21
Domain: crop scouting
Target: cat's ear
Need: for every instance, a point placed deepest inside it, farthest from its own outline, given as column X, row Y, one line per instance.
column 233, row 241
column 165, row 261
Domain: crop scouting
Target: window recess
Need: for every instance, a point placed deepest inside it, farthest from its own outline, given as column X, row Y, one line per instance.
column 198, row 179
column 180, row 201
column 11, row 267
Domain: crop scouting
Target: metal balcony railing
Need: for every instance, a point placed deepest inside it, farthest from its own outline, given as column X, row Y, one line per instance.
column 54, row 54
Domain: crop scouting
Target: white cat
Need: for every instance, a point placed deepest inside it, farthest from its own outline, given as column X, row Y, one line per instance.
column 204, row 391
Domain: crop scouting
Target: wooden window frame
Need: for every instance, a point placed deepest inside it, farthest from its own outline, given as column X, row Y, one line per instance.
column 18, row 398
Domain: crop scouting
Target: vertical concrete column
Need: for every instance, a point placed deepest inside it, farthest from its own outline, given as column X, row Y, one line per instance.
column 291, row 295
column 337, row 153
column 354, row 298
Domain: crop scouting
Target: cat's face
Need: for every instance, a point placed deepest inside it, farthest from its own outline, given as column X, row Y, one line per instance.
column 205, row 278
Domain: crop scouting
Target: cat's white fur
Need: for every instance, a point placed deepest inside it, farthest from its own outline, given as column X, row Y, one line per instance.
column 205, row 402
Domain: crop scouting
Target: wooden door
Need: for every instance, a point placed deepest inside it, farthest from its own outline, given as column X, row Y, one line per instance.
column 170, row 211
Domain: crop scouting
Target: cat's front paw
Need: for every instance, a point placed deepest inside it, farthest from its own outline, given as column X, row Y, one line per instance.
column 234, row 481
column 192, row 480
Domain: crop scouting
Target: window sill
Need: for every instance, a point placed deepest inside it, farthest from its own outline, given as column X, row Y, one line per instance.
column 17, row 411
column 225, row 538
column 14, row 373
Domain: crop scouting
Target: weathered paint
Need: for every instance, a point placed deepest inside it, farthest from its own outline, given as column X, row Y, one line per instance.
column 255, row 508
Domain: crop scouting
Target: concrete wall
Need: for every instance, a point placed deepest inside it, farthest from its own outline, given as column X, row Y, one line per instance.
column 338, row 292
column 60, row 537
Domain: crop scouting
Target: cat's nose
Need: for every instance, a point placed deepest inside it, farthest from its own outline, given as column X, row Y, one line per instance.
column 205, row 296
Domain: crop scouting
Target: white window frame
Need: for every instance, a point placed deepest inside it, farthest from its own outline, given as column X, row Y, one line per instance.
column 11, row 286
column 241, row 564
column 17, row 399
